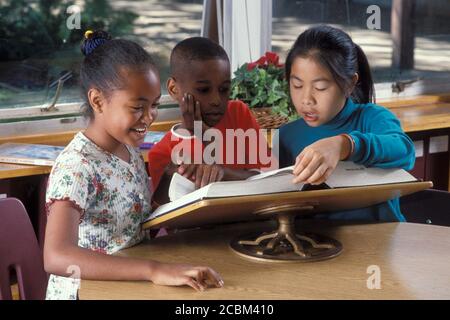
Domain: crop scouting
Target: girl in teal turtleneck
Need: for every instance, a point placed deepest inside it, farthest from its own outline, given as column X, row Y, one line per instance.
column 332, row 90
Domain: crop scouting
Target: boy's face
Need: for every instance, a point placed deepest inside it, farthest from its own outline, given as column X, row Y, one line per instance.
column 209, row 82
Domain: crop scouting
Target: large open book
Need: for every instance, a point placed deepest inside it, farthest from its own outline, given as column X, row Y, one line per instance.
column 346, row 175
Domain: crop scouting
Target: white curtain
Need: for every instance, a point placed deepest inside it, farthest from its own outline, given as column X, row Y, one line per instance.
column 242, row 27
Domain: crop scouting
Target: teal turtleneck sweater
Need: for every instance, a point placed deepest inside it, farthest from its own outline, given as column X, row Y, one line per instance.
column 379, row 142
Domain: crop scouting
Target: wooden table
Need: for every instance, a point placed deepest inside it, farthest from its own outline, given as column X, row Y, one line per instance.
column 8, row 170
column 57, row 139
column 414, row 262
column 424, row 118
column 422, row 114
column 14, row 170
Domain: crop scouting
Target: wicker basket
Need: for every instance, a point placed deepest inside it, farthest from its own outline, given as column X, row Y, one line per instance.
column 267, row 119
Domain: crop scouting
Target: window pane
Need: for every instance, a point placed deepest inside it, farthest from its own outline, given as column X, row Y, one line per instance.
column 432, row 50
column 432, row 32
column 38, row 50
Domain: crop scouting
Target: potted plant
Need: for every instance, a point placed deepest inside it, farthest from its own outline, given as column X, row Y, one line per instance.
column 263, row 87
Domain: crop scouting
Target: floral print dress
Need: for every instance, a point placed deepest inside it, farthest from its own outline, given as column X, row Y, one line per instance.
column 112, row 196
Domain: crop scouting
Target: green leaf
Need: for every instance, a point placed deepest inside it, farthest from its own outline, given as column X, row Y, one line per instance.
column 254, row 102
column 263, row 87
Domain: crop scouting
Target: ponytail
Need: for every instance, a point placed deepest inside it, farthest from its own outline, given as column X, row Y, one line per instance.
column 364, row 91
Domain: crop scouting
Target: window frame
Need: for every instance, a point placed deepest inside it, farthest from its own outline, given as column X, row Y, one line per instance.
column 32, row 120
column 36, row 114
column 61, row 109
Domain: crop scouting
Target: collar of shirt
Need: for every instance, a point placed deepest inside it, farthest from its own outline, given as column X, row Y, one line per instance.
column 341, row 119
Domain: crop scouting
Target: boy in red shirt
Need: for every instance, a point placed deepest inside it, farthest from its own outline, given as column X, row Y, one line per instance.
column 200, row 83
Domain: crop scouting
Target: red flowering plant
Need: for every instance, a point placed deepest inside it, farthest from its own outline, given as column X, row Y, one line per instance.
column 262, row 84
column 270, row 58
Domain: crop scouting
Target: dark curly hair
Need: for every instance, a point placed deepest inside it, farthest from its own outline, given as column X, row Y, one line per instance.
column 104, row 59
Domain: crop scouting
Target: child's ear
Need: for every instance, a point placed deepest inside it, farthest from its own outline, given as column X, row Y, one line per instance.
column 172, row 88
column 96, row 100
column 354, row 80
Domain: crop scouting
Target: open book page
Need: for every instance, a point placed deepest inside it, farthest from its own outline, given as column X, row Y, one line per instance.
column 179, row 185
column 280, row 181
column 346, row 174
column 272, row 184
column 349, row 174
column 180, row 202
column 271, row 173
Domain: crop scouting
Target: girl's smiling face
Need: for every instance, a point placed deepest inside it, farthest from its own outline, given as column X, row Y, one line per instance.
column 129, row 112
column 314, row 92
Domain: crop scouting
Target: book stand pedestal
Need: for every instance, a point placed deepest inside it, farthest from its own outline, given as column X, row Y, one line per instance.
column 285, row 244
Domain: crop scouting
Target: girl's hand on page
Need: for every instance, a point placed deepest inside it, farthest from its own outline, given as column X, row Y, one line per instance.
column 317, row 161
column 198, row 278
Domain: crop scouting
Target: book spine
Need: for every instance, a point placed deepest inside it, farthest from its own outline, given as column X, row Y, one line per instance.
column 146, row 145
column 36, row 162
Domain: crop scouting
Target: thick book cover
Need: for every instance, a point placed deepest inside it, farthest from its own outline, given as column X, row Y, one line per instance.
column 152, row 138
column 36, row 154
column 346, row 175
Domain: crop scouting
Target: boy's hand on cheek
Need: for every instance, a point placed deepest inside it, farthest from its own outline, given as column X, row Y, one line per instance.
column 191, row 111
column 187, row 112
column 317, row 161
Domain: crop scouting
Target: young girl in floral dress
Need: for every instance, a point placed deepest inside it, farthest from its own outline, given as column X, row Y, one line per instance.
column 98, row 192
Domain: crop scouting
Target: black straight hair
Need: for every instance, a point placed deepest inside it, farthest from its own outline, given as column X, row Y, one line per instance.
column 335, row 50
column 104, row 60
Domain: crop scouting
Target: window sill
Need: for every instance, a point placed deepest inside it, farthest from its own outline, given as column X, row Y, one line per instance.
column 62, row 138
